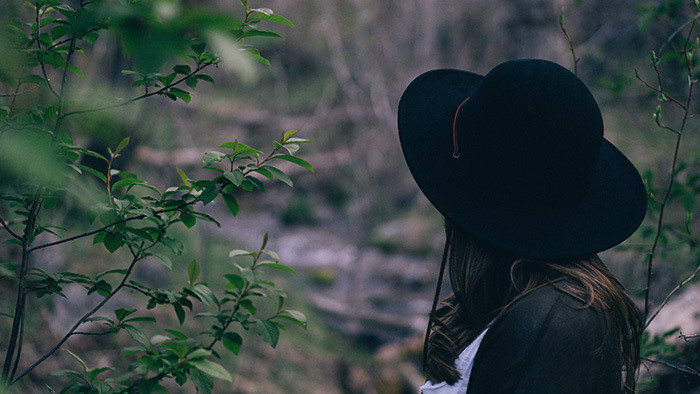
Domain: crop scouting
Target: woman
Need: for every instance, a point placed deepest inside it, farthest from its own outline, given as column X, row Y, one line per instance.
column 530, row 190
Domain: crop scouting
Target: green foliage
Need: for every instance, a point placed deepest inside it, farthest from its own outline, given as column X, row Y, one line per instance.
column 42, row 169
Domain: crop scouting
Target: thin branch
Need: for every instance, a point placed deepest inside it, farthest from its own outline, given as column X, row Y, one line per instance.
column 21, row 293
column 38, row 45
column 568, row 39
column 80, row 321
column 89, row 233
column 147, row 294
column 90, row 333
column 687, row 338
column 9, row 230
column 18, row 93
column 658, row 89
column 673, row 175
column 131, row 101
column 94, row 29
column 681, row 368
column 675, row 33
column 674, row 291
column 19, row 346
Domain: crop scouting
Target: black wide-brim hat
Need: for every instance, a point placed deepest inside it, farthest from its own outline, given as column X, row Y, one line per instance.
column 517, row 158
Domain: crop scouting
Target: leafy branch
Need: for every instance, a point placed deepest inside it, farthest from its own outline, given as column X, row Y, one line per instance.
column 687, row 53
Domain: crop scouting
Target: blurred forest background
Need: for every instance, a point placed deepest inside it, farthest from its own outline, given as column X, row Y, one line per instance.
column 364, row 240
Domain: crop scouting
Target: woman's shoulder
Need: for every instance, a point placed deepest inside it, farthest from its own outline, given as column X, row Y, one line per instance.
column 550, row 308
column 547, row 341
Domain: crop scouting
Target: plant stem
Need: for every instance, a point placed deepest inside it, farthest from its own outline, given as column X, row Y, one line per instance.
column 21, row 293
column 7, row 227
column 130, row 101
column 80, row 321
column 87, row 234
column 679, row 134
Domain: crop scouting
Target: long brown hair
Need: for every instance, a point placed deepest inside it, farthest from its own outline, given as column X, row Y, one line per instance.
column 486, row 280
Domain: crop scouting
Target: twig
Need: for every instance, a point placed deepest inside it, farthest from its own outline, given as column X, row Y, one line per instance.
column 18, row 93
column 674, row 291
column 9, row 230
column 38, row 45
column 673, row 175
column 568, row 39
column 80, row 321
column 687, row 338
column 681, row 368
column 19, row 346
column 130, row 101
column 89, row 233
column 21, row 294
column 90, row 333
column 658, row 89
column 675, row 33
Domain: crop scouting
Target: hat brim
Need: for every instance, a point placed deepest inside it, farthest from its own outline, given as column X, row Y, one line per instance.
column 611, row 211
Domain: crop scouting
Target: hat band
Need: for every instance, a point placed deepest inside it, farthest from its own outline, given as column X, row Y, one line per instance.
column 455, row 140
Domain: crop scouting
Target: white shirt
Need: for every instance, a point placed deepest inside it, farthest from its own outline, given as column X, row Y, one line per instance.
column 464, row 364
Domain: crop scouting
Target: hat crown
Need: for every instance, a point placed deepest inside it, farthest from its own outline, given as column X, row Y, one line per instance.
column 531, row 132
column 535, row 176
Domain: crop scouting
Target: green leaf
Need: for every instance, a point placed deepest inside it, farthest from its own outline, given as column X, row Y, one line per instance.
column 94, row 172
column 203, row 382
column 182, row 69
column 165, row 260
column 198, row 47
column 296, row 160
column 208, row 194
column 260, row 33
column 179, row 312
column 193, row 271
column 66, row 373
column 235, row 280
column 268, row 331
column 266, row 11
column 212, row 369
column 115, row 271
column 176, row 334
column 279, row 267
column 184, row 177
column 231, row 204
column 205, row 77
column 188, row 220
column 240, row 252
column 255, row 55
column 122, row 313
column 280, row 175
column 125, row 182
column 136, row 335
column 142, row 318
column 122, row 144
column 113, row 241
column 34, row 79
column 99, row 318
column 293, row 316
column 181, row 94
column 212, row 157
column 75, row 356
column 272, row 254
column 203, row 292
column 271, row 18
column 93, row 374
column 299, row 141
column 236, row 177
column 179, row 348
column 232, row 341
column 191, row 82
